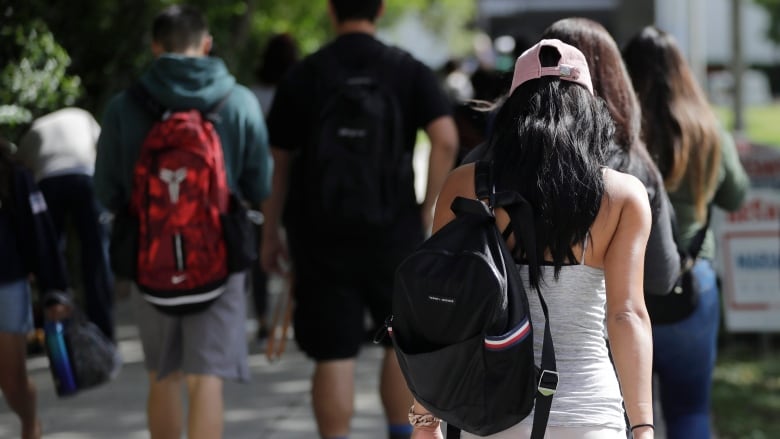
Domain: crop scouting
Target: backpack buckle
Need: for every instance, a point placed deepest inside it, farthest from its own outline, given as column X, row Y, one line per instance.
column 386, row 329
column 548, row 382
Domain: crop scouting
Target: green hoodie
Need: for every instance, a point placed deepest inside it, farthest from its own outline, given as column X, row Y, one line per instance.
column 178, row 83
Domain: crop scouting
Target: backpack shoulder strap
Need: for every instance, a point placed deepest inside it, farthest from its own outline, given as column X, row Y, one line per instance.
column 212, row 113
column 692, row 252
column 698, row 239
column 483, row 181
column 521, row 219
column 161, row 112
column 147, row 101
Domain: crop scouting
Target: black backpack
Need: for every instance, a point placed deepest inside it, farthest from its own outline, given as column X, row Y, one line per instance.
column 357, row 174
column 461, row 326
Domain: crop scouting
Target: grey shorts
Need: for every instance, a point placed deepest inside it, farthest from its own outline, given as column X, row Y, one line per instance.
column 211, row 342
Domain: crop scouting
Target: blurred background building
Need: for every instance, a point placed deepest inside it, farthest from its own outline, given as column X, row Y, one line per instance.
column 702, row 27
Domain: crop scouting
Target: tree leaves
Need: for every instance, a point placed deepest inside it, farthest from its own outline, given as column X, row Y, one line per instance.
column 33, row 80
column 108, row 40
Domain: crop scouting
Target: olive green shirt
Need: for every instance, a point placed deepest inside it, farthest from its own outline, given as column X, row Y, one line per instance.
column 728, row 193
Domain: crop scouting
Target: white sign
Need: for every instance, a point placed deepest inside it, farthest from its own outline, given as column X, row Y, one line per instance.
column 749, row 249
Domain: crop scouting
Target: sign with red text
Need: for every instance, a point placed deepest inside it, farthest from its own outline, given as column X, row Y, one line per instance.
column 749, row 248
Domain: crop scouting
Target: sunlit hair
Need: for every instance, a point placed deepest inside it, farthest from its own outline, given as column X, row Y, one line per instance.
column 179, row 28
column 678, row 124
column 356, row 9
column 612, row 83
column 549, row 143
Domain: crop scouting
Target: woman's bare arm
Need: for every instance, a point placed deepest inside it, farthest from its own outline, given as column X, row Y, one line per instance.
column 459, row 183
column 627, row 320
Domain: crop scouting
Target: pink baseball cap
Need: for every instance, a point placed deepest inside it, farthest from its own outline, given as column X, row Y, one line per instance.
column 571, row 67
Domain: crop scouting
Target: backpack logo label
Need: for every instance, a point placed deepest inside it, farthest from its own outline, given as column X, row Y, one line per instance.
column 352, row 133
column 442, row 299
column 173, row 179
column 178, row 278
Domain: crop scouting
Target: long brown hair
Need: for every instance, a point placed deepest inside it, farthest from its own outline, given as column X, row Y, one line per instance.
column 612, row 83
column 678, row 124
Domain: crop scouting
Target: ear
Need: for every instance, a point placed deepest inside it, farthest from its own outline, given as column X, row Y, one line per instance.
column 332, row 14
column 381, row 11
column 206, row 44
column 157, row 49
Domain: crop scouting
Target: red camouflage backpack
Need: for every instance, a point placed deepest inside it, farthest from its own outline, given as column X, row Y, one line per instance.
column 179, row 192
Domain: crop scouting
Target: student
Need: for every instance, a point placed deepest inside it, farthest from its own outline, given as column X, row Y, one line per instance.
column 612, row 83
column 200, row 349
column 280, row 54
column 340, row 272
column 550, row 144
column 60, row 147
column 701, row 169
column 28, row 245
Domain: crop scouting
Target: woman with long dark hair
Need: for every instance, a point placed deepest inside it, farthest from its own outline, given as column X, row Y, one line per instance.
column 701, row 168
column 551, row 140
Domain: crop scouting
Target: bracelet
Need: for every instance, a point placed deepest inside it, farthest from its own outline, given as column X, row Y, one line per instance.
column 422, row 419
column 633, row 427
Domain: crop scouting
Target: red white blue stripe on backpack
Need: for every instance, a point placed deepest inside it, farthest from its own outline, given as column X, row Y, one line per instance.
column 511, row 338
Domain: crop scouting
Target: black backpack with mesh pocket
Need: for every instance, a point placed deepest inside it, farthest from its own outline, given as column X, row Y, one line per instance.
column 461, row 326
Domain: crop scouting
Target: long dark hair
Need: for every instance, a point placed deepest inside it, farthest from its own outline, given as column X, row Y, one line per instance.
column 612, row 83
column 281, row 53
column 680, row 128
column 549, row 144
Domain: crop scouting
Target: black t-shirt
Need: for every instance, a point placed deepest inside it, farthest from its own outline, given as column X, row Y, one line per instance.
column 297, row 99
column 301, row 94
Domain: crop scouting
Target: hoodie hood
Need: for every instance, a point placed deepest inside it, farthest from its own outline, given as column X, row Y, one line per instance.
column 181, row 82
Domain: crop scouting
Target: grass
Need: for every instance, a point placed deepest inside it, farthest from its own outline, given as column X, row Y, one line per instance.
column 762, row 122
column 746, row 393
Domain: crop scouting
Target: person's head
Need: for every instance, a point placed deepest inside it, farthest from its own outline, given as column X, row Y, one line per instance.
column 610, row 78
column 181, row 29
column 280, row 54
column 356, row 10
column 549, row 142
column 678, row 125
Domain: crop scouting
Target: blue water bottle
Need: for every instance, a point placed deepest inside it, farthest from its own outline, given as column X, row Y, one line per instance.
column 59, row 359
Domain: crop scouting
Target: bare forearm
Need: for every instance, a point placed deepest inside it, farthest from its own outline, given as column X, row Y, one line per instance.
column 444, row 150
column 632, row 350
column 273, row 205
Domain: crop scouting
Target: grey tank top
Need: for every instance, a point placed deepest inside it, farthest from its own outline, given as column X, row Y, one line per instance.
column 588, row 393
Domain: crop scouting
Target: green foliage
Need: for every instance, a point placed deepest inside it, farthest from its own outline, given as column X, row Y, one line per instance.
column 33, row 80
column 773, row 8
column 746, row 394
column 108, row 40
column 761, row 123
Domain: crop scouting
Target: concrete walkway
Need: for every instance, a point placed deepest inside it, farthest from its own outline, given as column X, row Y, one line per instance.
column 274, row 405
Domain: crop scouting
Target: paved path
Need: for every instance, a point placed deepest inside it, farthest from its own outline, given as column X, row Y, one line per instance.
column 274, row 405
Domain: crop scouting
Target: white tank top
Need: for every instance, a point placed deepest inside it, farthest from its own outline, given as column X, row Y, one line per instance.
column 588, row 392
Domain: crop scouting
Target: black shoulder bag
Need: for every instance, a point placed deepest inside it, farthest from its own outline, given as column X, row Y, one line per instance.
column 682, row 301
